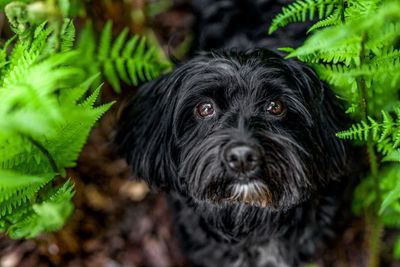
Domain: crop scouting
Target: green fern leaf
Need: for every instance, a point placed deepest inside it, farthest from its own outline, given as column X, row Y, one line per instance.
column 337, row 75
column 393, row 195
column 333, row 19
column 131, row 65
column 393, row 156
column 105, row 42
column 67, row 35
column 298, row 11
column 387, row 35
column 380, row 131
column 130, row 46
column 46, row 119
column 17, row 188
column 128, row 60
column 387, row 125
column 111, row 75
column 49, row 215
column 118, row 43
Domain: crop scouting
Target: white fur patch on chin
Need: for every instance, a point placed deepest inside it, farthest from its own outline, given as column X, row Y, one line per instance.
column 254, row 193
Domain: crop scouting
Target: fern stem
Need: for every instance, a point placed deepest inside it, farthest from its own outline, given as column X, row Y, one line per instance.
column 342, row 19
column 45, row 152
column 377, row 226
column 375, row 240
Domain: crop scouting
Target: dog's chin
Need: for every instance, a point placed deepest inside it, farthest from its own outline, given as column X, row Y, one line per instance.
column 250, row 192
column 254, row 193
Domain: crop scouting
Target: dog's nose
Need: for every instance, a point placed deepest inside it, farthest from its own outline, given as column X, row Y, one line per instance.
column 242, row 158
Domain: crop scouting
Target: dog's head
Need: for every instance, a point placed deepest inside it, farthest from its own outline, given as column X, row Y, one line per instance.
column 235, row 127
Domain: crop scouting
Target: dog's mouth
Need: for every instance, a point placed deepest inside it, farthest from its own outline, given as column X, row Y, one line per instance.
column 254, row 193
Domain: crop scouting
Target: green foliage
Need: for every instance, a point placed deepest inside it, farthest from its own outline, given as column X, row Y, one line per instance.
column 300, row 10
column 49, row 215
column 49, row 92
column 332, row 19
column 46, row 115
column 44, row 126
column 125, row 59
column 355, row 49
column 3, row 3
column 365, row 195
column 379, row 131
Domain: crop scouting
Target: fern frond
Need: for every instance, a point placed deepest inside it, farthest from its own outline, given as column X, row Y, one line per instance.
column 337, row 75
column 127, row 59
column 299, row 10
column 67, row 35
column 386, row 56
column 348, row 35
column 389, row 186
column 70, row 136
column 105, row 41
column 352, row 108
column 393, row 156
column 23, row 56
column 390, row 198
column 32, row 94
column 320, row 49
column 43, row 128
column 18, row 188
column 382, row 70
column 3, row 57
column 20, row 154
column 49, row 215
column 379, row 131
column 387, row 35
column 356, row 8
column 332, row 19
column 357, row 131
column 346, row 54
column 20, row 21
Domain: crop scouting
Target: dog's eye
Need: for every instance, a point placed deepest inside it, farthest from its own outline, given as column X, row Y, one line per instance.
column 275, row 107
column 205, row 109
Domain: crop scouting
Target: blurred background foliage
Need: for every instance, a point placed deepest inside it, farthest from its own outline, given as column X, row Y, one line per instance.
column 355, row 48
column 54, row 58
column 47, row 107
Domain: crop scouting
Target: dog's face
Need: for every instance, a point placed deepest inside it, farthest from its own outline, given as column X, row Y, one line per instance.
column 233, row 128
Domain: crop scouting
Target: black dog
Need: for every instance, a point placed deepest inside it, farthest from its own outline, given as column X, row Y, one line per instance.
column 244, row 143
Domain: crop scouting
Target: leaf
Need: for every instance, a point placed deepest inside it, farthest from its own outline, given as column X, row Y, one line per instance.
column 393, row 156
column 390, row 198
column 389, row 128
column 67, row 35
column 46, row 117
column 125, row 58
column 105, row 41
column 298, row 10
column 49, row 215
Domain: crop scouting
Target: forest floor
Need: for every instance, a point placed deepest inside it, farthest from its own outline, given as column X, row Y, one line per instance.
column 117, row 221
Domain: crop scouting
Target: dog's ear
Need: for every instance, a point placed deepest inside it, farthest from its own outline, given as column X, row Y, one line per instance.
column 328, row 119
column 144, row 132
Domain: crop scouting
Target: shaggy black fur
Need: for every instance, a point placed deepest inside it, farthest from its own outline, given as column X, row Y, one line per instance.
column 257, row 178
